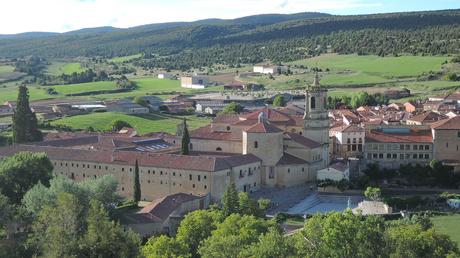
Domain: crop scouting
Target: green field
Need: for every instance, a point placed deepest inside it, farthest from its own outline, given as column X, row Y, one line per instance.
column 58, row 68
column 449, row 225
column 122, row 59
column 143, row 123
column 84, row 87
column 386, row 67
column 11, row 93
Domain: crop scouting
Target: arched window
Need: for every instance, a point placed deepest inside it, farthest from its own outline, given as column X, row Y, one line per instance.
column 218, row 149
column 256, row 145
column 228, row 128
column 312, row 103
column 191, row 146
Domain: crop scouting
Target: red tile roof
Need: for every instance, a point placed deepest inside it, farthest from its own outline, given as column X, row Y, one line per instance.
column 207, row 133
column 423, row 136
column 428, row 116
column 160, row 209
column 448, row 124
column 302, row 140
column 271, row 115
column 288, row 159
column 263, row 127
column 128, row 158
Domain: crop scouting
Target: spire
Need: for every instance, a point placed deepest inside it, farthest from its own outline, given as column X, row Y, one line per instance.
column 316, row 83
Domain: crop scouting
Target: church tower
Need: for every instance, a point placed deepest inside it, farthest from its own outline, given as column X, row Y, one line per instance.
column 316, row 121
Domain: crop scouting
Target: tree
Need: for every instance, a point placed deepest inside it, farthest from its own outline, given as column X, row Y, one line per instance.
column 278, row 101
column 373, row 193
column 271, row 244
column 25, row 125
column 21, row 172
column 105, row 238
column 164, row 247
column 233, row 108
column 117, row 125
column 341, row 235
column 233, row 235
column 185, row 139
column 6, row 211
column 196, row 227
column 103, row 190
column 58, row 229
column 140, row 101
column 137, row 184
column 230, row 200
column 412, row 241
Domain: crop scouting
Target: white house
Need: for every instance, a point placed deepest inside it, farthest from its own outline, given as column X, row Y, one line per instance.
column 194, row 82
column 335, row 172
column 164, row 76
column 278, row 69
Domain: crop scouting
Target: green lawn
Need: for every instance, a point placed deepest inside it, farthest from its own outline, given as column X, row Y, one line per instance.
column 122, row 59
column 449, row 225
column 58, row 68
column 387, row 67
column 143, row 123
column 11, row 93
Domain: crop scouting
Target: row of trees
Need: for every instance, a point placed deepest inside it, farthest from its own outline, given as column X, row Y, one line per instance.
column 358, row 100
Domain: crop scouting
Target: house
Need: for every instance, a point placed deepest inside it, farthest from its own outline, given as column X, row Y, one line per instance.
column 397, row 93
column 153, row 102
column 265, row 69
column 127, row 106
column 348, row 140
column 426, row 118
column 164, row 214
column 372, row 208
column 6, row 109
column 235, row 86
column 210, row 107
column 165, row 76
column 194, row 82
column 397, row 106
column 335, row 172
column 413, row 107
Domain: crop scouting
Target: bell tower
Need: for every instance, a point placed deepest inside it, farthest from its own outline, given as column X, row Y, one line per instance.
column 316, row 121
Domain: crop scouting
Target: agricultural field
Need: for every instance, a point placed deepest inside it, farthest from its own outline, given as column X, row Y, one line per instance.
column 58, row 68
column 348, row 74
column 143, row 123
column 449, row 225
column 7, row 73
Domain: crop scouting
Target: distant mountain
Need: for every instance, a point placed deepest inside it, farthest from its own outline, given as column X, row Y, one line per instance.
column 27, row 35
column 275, row 37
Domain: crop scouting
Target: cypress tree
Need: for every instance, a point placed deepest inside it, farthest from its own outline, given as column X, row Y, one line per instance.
column 185, row 140
column 137, row 185
column 230, row 200
column 25, row 125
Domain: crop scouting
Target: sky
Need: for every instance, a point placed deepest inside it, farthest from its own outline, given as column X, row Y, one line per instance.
column 65, row 15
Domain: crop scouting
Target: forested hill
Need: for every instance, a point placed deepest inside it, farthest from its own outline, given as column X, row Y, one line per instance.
column 255, row 38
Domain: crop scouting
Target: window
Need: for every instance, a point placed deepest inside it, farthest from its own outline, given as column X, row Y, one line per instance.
column 218, row 149
column 348, row 147
column 407, row 147
column 174, row 173
column 427, row 147
column 312, row 103
column 193, row 185
column 401, row 147
column 401, row 156
column 458, row 134
column 205, row 187
column 256, row 144
column 271, row 173
column 122, row 169
column 199, row 178
column 228, row 128
column 415, row 147
column 191, row 146
column 289, row 170
column 190, row 177
column 427, row 156
column 420, row 147
column 420, row 156
column 380, row 155
column 395, row 156
column 241, row 173
column 161, row 173
column 414, row 156
column 388, row 156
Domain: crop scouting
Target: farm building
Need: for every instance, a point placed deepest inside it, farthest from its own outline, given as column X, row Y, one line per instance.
column 165, row 76
column 278, row 69
column 194, row 82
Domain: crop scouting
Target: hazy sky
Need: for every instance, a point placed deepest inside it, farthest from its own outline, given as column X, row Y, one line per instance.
column 65, row 15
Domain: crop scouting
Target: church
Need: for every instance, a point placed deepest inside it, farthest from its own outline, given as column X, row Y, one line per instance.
column 262, row 149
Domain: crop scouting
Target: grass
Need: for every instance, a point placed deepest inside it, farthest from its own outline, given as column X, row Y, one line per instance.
column 387, row 67
column 122, row 59
column 58, row 68
column 11, row 93
column 84, row 87
column 6, row 69
column 143, row 123
column 449, row 225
